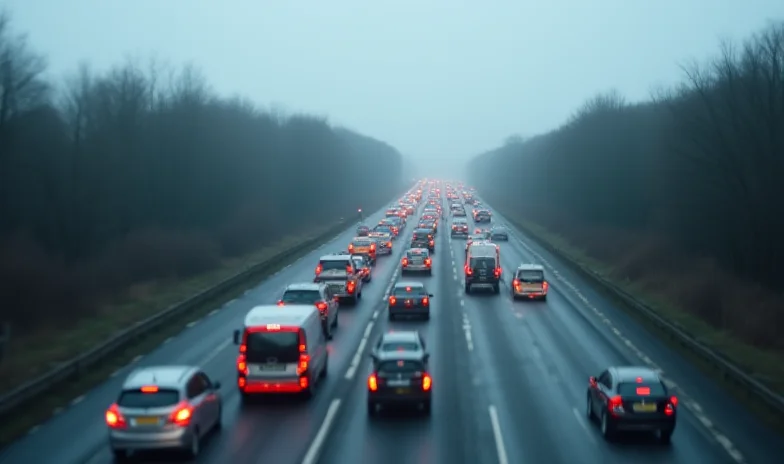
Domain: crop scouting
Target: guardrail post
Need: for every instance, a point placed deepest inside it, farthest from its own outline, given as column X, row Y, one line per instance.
column 5, row 338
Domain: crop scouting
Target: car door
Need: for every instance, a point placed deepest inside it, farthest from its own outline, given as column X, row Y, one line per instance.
column 603, row 387
column 212, row 399
column 197, row 391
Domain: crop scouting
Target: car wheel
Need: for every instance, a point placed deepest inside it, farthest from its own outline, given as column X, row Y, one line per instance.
column 372, row 409
column 589, row 408
column 427, row 316
column 219, row 420
column 324, row 371
column 193, row 450
column 335, row 321
column 328, row 331
column 430, row 272
column 665, row 436
column 544, row 298
column 120, row 455
column 496, row 288
column 606, row 428
column 468, row 288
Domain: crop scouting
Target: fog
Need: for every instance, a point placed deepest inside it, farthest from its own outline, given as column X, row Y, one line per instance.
column 439, row 80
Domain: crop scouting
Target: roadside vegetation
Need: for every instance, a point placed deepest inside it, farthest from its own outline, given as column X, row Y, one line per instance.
column 120, row 190
column 679, row 198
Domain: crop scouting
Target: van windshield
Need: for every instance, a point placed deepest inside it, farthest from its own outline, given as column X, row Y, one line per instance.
column 482, row 263
column 276, row 347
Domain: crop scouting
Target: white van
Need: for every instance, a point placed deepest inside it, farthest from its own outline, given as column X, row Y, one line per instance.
column 283, row 349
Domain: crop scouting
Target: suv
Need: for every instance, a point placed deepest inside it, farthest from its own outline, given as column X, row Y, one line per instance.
column 483, row 266
column 529, row 282
column 164, row 407
column 318, row 294
column 339, row 272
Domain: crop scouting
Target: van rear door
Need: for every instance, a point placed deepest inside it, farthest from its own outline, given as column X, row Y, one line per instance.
column 273, row 351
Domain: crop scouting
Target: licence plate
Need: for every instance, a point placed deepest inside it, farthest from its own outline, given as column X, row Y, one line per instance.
column 399, row 383
column 482, row 272
column 402, row 391
column 272, row 367
column 408, row 303
column 147, row 421
column 644, row 407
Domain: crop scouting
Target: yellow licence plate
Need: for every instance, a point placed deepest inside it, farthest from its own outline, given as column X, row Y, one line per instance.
column 644, row 407
column 361, row 250
column 146, row 421
column 401, row 391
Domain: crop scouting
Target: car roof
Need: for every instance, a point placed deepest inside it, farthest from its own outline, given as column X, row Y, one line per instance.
column 404, row 284
column 631, row 373
column 293, row 315
column 401, row 356
column 160, row 376
column 335, row 257
column 530, row 267
column 305, row 286
column 403, row 336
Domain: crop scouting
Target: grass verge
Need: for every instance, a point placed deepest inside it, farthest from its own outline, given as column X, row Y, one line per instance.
column 765, row 366
column 139, row 303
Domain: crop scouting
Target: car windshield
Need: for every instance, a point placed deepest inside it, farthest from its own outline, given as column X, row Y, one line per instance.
column 530, row 276
column 138, row 399
column 641, row 389
column 399, row 346
column 301, row 296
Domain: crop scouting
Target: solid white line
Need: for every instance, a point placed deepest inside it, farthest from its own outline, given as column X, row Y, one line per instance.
column 77, row 400
column 582, row 423
column 216, row 351
column 191, row 324
column 375, row 314
column 311, row 457
column 499, row 439
column 212, row 313
column 34, row 429
column 136, row 359
column 369, row 329
column 462, row 302
column 168, row 340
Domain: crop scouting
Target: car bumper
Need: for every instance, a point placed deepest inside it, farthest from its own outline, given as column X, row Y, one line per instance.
column 416, row 268
column 167, row 439
column 528, row 294
column 271, row 386
column 391, row 397
column 410, row 311
column 643, row 425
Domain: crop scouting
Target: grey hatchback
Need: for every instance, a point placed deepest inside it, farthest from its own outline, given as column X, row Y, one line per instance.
column 164, row 407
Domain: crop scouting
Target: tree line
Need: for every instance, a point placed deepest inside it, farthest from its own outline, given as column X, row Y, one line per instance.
column 691, row 179
column 142, row 172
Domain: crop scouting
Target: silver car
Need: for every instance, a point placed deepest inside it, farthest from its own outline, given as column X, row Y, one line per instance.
column 417, row 260
column 164, row 407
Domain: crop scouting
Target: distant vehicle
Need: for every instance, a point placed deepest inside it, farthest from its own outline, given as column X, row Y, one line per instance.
column 162, row 407
column 499, row 233
column 399, row 378
column 529, row 282
column 631, row 399
column 483, row 266
column 409, row 299
column 319, row 295
column 341, row 275
column 417, row 260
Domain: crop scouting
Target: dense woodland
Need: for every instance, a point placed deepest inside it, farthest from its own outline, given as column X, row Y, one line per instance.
column 683, row 193
column 141, row 172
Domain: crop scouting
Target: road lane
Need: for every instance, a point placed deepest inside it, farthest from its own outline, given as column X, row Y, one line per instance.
column 78, row 434
column 453, row 431
column 582, row 331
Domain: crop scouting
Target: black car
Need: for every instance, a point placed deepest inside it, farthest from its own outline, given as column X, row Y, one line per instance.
column 409, row 299
column 499, row 234
column 631, row 398
column 363, row 231
column 399, row 378
column 482, row 215
column 423, row 238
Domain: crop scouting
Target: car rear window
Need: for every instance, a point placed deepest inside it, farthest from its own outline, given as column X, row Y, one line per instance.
column 301, row 296
column 399, row 346
column 283, row 346
column 482, row 263
column 641, row 389
column 138, row 399
column 530, row 276
column 408, row 291
column 417, row 254
column 401, row 366
column 361, row 243
column 331, row 264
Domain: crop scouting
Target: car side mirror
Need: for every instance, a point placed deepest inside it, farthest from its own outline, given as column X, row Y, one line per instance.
column 236, row 337
column 430, row 295
column 592, row 380
column 216, row 385
column 426, row 356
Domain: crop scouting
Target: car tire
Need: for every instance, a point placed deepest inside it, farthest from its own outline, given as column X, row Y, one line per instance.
column 606, row 428
column 496, row 288
column 665, row 437
column 589, row 408
column 328, row 331
column 391, row 316
column 194, row 448
column 468, row 288
column 120, row 455
column 335, row 321
column 430, row 272
column 427, row 407
column 372, row 409
column 544, row 298
column 325, row 370
column 426, row 317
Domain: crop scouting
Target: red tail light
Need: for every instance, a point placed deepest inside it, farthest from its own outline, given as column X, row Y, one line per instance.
column 372, row 247
column 468, row 270
column 322, row 307
column 427, row 382
column 242, row 365
column 545, row 286
column 615, row 404
column 350, row 247
column 304, row 361
column 497, row 272
column 428, row 262
column 405, row 262
column 182, row 415
column 319, row 268
column 281, row 303
column 392, row 300
column 114, row 419
column 425, row 301
column 516, row 282
column 669, row 408
column 389, row 244
column 350, row 286
column 373, row 382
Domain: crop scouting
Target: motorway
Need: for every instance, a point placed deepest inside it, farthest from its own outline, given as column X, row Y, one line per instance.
column 509, row 381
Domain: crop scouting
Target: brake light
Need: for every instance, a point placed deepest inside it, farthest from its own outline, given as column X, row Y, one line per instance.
column 350, row 286
column 321, row 306
column 389, row 244
column 427, row 382
column 545, row 285
column 643, row 391
column 303, row 346
column 373, row 382
column 182, row 414
column 428, row 262
column 405, row 262
column 350, row 247
column 304, row 361
column 392, row 300
column 242, row 365
column 497, row 272
column 319, row 268
column 674, row 400
column 468, row 270
column 516, row 282
column 669, row 408
column 281, row 303
column 149, row 389
column 372, row 247
column 114, row 419
column 425, row 301
column 615, row 405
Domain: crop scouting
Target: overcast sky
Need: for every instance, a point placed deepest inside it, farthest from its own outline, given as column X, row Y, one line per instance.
column 435, row 78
